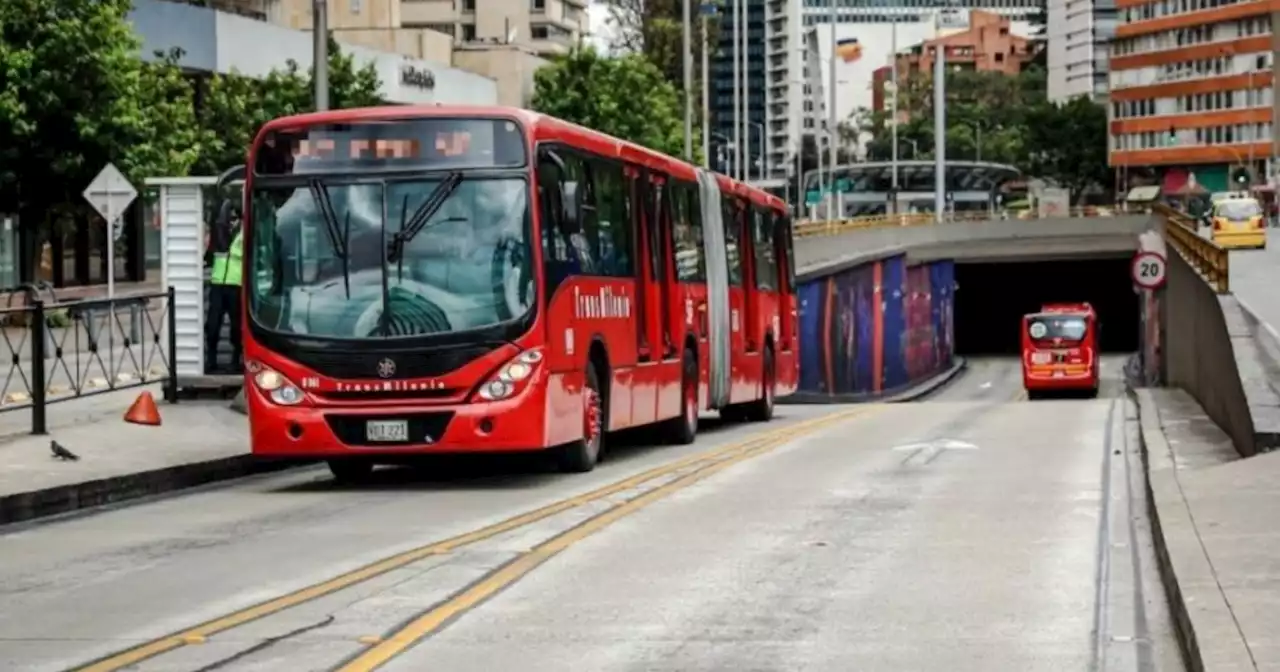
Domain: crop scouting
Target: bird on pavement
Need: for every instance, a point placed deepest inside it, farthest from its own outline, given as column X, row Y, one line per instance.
column 62, row 453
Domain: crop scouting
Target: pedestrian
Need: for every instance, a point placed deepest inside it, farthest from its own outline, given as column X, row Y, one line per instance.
column 224, row 244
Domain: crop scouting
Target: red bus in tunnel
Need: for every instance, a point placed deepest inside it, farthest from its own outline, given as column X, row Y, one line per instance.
column 481, row 279
column 1060, row 350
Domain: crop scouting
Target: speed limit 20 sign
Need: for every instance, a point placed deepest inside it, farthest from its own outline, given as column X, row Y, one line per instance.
column 1149, row 270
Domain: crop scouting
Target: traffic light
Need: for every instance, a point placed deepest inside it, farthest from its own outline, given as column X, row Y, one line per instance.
column 1241, row 176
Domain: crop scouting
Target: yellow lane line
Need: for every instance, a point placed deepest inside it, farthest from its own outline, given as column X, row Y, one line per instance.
column 201, row 632
column 432, row 620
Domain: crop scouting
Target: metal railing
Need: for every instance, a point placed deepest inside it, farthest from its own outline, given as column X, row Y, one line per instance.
column 1210, row 260
column 808, row 228
column 57, row 351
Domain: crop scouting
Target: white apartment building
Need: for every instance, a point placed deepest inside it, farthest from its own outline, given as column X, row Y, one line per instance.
column 1078, row 36
column 799, row 55
column 425, row 51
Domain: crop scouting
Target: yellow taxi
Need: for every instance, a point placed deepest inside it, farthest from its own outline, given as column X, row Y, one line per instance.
column 1239, row 222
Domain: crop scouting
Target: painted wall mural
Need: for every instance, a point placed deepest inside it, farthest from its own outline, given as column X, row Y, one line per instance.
column 876, row 328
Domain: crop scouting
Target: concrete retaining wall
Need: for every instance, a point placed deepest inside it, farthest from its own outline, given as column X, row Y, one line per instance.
column 1200, row 351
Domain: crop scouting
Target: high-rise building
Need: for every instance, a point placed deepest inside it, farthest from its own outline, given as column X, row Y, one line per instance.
column 1191, row 91
column 1077, row 35
column 790, row 53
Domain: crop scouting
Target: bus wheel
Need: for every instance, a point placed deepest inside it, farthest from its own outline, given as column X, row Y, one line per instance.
column 683, row 429
column 350, row 471
column 761, row 410
column 581, row 455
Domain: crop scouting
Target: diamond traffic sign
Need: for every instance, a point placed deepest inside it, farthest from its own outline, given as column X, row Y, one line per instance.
column 110, row 194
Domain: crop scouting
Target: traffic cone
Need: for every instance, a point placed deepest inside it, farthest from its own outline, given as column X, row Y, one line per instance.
column 143, row 411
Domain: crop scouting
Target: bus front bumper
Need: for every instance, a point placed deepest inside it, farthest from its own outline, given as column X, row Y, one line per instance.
column 385, row 431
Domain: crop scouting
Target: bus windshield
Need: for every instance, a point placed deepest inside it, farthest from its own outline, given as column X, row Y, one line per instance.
column 326, row 259
column 1066, row 327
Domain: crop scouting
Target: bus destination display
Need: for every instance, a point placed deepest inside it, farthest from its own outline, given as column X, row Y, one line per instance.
column 423, row 143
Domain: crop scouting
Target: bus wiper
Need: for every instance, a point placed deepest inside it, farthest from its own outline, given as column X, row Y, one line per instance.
column 415, row 223
column 339, row 242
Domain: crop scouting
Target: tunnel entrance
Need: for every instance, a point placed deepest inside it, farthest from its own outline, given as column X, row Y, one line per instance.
column 992, row 297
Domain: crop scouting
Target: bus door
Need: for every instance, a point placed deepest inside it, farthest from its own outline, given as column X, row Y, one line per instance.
column 659, row 234
column 671, row 308
column 788, row 311
column 735, row 257
column 646, row 195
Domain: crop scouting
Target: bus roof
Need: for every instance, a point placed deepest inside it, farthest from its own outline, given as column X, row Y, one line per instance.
column 539, row 126
column 1050, row 308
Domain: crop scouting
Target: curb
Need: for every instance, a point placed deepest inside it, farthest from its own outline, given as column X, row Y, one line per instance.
column 910, row 393
column 28, row 506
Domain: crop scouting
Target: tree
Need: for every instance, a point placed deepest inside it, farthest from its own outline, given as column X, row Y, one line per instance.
column 1068, row 143
column 235, row 106
column 655, row 29
column 74, row 95
column 623, row 96
column 1001, row 119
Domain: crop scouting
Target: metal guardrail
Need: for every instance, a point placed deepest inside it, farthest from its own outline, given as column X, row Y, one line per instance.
column 1210, row 260
column 806, row 228
column 66, row 350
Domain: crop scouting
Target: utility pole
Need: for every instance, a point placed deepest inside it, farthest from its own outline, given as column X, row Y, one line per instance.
column 320, row 41
column 939, row 123
column 688, row 81
column 893, row 124
column 737, row 91
column 832, row 131
column 707, row 8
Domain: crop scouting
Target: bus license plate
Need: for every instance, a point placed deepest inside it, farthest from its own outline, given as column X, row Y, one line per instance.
column 387, row 430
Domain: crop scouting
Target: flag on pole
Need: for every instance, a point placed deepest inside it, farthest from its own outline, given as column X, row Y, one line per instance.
column 849, row 49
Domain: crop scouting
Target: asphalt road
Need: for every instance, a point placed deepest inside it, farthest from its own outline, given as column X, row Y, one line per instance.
column 1253, row 280
column 971, row 531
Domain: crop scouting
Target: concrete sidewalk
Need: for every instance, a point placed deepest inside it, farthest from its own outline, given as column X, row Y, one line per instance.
column 1217, row 535
column 198, row 442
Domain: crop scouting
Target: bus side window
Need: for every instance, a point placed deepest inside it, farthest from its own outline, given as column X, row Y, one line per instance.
column 732, row 233
column 689, row 261
column 611, row 229
column 555, row 252
column 766, row 262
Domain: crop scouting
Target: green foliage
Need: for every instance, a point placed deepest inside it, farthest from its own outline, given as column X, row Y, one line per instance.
column 74, row 95
column 235, row 106
column 655, row 29
column 625, row 96
column 1002, row 119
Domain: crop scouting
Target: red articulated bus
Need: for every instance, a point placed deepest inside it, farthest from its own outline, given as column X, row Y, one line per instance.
column 1060, row 350
column 466, row 279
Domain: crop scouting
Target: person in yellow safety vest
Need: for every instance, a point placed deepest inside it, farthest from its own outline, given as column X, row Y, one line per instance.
column 224, row 244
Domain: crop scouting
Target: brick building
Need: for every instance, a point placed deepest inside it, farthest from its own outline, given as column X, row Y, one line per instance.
column 987, row 45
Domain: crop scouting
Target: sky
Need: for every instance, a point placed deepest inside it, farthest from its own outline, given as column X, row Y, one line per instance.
column 600, row 24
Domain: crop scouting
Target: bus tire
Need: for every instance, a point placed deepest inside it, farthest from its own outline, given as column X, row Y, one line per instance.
column 582, row 455
column 683, row 429
column 761, row 410
column 350, row 471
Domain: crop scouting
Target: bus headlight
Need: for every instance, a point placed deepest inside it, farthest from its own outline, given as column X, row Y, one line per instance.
column 512, row 377
column 277, row 388
column 496, row 390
